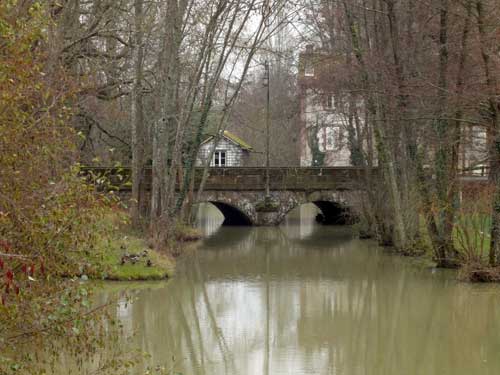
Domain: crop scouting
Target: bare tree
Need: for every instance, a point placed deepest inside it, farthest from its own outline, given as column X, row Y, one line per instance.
column 412, row 66
column 137, row 116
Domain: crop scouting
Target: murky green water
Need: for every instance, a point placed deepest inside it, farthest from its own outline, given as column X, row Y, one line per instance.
column 308, row 299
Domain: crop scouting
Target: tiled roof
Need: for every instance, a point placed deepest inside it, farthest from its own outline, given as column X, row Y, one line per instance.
column 233, row 138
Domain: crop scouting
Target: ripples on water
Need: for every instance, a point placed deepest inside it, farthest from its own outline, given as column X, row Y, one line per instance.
column 309, row 299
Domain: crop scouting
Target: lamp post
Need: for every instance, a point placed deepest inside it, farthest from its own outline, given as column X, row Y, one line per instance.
column 268, row 124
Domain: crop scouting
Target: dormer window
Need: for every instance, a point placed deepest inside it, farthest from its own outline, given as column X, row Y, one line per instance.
column 219, row 159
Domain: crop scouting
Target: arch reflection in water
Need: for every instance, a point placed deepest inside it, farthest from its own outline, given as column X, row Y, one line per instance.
column 208, row 218
column 301, row 224
column 261, row 302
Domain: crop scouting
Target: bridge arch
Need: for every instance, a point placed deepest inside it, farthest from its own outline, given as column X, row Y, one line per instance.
column 336, row 208
column 333, row 213
column 244, row 207
column 232, row 215
column 237, row 209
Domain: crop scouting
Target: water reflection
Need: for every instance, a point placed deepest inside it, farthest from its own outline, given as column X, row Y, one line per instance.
column 208, row 219
column 313, row 300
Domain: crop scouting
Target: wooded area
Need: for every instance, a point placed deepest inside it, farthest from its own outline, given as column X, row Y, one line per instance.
column 141, row 83
column 425, row 75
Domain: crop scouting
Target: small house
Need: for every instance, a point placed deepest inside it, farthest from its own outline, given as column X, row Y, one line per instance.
column 230, row 151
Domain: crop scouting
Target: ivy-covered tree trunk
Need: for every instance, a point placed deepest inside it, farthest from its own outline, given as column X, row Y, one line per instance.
column 443, row 239
column 137, row 117
column 453, row 145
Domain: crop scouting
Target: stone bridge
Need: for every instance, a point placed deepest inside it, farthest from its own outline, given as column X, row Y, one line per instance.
column 239, row 192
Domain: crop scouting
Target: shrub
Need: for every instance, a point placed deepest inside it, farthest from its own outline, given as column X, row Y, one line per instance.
column 473, row 222
column 46, row 211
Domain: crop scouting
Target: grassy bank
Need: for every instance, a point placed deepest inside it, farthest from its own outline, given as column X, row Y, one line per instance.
column 471, row 240
column 123, row 254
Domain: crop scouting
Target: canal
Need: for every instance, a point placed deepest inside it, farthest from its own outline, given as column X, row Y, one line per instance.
column 309, row 299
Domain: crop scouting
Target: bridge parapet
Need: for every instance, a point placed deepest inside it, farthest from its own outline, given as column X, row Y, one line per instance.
column 252, row 178
column 289, row 179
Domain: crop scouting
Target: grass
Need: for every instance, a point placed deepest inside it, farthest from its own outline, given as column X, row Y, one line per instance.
column 471, row 235
column 161, row 267
column 116, row 239
column 186, row 233
column 471, row 238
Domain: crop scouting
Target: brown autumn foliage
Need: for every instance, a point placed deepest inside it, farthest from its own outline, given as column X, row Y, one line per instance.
column 46, row 211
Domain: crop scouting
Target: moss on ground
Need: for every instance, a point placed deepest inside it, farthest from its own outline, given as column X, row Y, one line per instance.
column 186, row 233
column 117, row 241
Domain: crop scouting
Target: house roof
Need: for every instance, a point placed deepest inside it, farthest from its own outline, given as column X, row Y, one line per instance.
column 232, row 138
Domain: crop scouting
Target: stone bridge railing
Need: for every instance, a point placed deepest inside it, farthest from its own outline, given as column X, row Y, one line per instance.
column 290, row 179
column 252, row 178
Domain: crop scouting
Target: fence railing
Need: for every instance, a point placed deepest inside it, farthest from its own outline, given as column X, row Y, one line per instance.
column 481, row 170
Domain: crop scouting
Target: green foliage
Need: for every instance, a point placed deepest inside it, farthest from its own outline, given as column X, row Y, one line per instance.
column 471, row 231
column 473, row 226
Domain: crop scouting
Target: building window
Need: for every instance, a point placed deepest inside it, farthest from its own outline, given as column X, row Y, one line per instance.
column 309, row 70
column 329, row 138
column 220, row 158
column 330, row 101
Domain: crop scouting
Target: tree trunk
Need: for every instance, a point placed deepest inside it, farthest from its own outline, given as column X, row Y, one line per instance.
column 494, row 135
column 137, row 117
column 444, row 244
column 409, row 200
column 377, row 111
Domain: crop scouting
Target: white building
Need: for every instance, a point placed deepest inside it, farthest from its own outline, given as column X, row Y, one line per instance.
column 325, row 114
column 329, row 131
column 230, row 151
column 324, row 132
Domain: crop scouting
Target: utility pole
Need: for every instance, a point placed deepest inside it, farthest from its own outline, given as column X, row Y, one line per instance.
column 268, row 124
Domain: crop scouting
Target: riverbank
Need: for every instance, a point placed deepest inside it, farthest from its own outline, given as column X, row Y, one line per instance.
column 471, row 242
column 124, row 254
